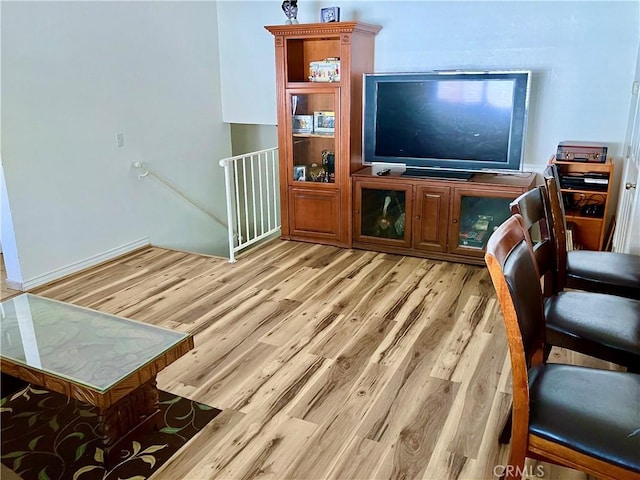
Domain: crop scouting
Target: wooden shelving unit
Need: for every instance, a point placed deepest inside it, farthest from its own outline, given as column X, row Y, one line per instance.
column 315, row 167
column 586, row 208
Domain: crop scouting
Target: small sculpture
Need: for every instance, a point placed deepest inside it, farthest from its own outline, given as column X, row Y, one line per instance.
column 290, row 9
column 383, row 223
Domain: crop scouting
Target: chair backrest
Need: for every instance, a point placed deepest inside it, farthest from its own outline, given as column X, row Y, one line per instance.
column 558, row 221
column 533, row 206
column 511, row 262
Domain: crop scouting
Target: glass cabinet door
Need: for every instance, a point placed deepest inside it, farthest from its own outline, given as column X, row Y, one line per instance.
column 478, row 218
column 313, row 145
column 381, row 214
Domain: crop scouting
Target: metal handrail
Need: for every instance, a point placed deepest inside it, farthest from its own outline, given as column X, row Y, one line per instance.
column 164, row 181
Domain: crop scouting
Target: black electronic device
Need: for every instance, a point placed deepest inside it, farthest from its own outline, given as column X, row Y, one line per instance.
column 454, row 120
column 598, row 182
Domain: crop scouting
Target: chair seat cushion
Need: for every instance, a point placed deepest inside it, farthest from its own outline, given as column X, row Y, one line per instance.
column 595, row 412
column 604, row 272
column 603, row 326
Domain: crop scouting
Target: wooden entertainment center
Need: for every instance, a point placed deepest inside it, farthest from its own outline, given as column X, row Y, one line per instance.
column 326, row 194
column 434, row 218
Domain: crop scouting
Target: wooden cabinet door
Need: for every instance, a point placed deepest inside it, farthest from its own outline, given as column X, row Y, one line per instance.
column 431, row 218
column 314, row 214
column 475, row 214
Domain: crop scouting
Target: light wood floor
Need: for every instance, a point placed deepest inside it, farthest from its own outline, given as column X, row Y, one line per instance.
column 327, row 363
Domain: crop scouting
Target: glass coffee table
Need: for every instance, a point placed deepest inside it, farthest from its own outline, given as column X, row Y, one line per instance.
column 107, row 361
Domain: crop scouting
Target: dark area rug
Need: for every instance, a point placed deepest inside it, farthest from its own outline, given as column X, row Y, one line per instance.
column 45, row 435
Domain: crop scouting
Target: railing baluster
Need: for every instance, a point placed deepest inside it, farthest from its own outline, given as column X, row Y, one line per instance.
column 253, row 197
column 227, row 186
column 276, row 190
column 238, row 205
column 246, row 197
column 267, row 193
column 260, row 196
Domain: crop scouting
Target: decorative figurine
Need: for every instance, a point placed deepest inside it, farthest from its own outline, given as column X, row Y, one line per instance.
column 290, row 9
column 384, row 222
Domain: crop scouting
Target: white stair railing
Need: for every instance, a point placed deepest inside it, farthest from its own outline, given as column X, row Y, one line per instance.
column 253, row 198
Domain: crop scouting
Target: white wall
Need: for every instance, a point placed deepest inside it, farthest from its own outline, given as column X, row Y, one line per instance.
column 582, row 54
column 251, row 138
column 74, row 74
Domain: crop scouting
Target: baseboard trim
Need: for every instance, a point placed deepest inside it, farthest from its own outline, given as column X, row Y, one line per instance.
column 13, row 285
column 75, row 267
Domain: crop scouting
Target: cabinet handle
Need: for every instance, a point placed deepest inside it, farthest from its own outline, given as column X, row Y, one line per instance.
column 357, row 212
column 455, row 220
column 417, row 217
column 629, row 185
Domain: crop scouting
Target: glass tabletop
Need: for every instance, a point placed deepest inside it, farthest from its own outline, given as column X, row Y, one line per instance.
column 91, row 348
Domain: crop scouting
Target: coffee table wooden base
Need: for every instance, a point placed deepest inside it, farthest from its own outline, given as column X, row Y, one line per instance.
column 106, row 361
column 138, row 411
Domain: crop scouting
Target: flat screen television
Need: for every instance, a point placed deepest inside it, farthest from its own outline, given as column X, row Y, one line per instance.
column 449, row 123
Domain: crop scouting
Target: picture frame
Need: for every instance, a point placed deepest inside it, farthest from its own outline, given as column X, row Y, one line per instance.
column 302, row 123
column 299, row 173
column 324, row 122
column 330, row 14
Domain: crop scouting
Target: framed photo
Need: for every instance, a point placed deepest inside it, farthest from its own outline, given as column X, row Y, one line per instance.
column 300, row 173
column 302, row 123
column 324, row 122
column 330, row 14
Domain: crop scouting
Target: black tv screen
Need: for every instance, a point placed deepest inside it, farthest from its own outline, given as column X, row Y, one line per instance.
column 467, row 121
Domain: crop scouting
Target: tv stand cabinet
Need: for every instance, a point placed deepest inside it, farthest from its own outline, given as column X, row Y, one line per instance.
column 432, row 218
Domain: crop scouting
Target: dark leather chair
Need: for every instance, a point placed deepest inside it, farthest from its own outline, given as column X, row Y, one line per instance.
column 595, row 271
column 596, row 324
column 578, row 417
column 533, row 206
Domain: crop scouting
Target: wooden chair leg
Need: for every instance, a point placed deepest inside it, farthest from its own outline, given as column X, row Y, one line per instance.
column 515, row 467
column 519, row 442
